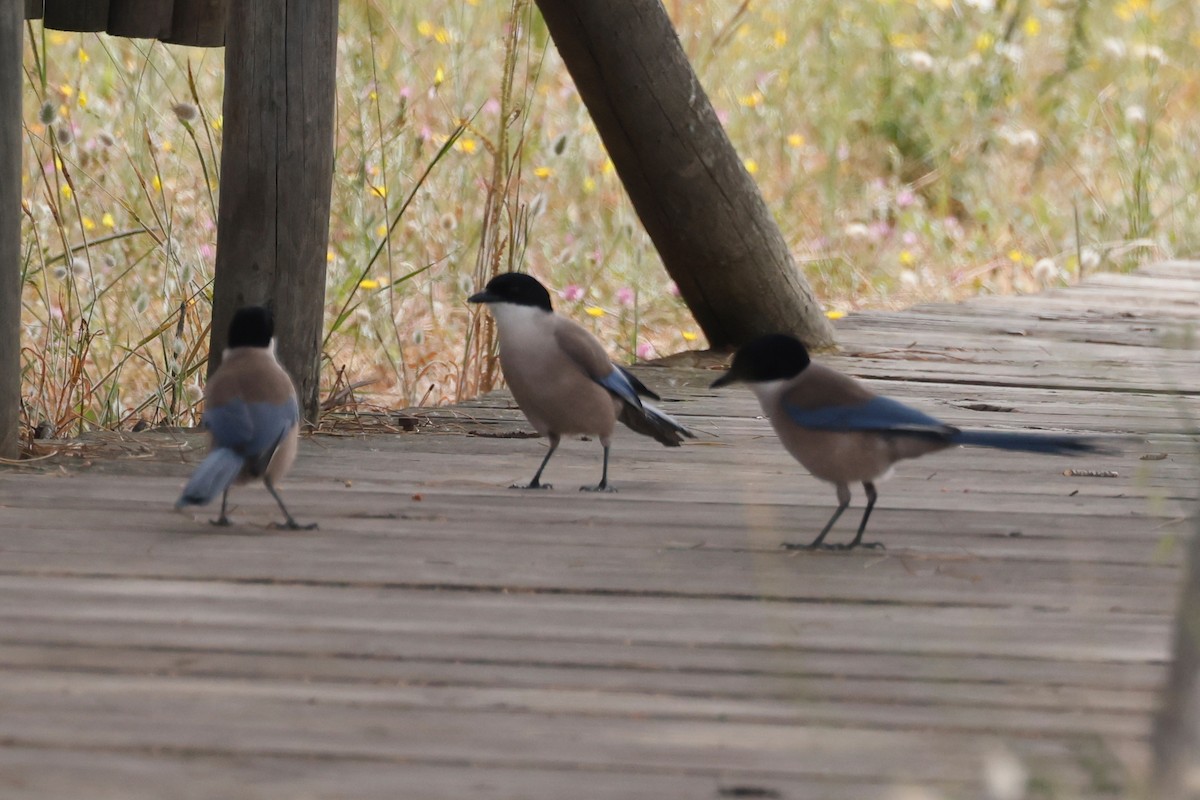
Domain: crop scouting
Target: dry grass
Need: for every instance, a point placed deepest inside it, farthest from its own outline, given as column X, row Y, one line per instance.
column 912, row 150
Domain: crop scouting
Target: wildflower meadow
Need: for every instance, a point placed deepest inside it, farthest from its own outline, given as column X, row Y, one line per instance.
column 912, row 151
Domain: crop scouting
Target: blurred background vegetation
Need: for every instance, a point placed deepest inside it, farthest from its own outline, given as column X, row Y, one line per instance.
column 912, row 150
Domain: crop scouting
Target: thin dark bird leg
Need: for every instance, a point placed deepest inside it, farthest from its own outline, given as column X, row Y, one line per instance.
column 536, row 482
column 222, row 520
column 603, row 485
column 291, row 524
column 843, row 495
column 862, row 526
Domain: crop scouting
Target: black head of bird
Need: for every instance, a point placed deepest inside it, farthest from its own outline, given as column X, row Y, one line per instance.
column 516, row 288
column 252, row 326
column 774, row 357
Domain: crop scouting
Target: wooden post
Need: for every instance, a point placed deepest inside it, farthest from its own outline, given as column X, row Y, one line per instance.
column 76, row 15
column 33, row 9
column 11, row 47
column 140, row 19
column 276, row 177
column 704, row 212
column 1176, row 736
column 202, row 23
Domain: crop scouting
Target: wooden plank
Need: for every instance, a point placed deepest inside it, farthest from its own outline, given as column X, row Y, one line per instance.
column 199, row 23
column 141, row 19
column 76, row 15
column 439, row 627
column 11, row 48
column 34, row 9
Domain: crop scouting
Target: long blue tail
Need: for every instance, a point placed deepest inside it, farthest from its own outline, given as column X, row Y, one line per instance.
column 211, row 478
column 647, row 420
column 1030, row 442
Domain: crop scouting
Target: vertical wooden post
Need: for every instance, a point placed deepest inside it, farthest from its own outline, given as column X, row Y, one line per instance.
column 276, row 177
column 1176, row 736
column 11, row 47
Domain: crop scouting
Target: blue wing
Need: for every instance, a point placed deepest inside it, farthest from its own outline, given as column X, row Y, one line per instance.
column 618, row 382
column 251, row 430
column 877, row 414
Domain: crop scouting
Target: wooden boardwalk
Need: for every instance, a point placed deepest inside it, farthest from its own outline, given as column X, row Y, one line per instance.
column 443, row 637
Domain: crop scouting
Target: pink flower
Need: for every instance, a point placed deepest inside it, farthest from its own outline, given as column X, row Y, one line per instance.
column 572, row 293
column 625, row 296
column 673, row 289
column 645, row 351
column 905, row 198
column 491, row 107
column 909, row 239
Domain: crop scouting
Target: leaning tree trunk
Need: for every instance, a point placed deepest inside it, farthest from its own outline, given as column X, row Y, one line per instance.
column 276, row 177
column 11, row 46
column 1176, row 737
column 701, row 208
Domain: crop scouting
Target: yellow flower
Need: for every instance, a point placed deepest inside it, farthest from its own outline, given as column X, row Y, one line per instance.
column 751, row 166
column 108, row 221
column 83, row 56
column 543, row 172
column 1015, row 256
column 89, row 224
column 780, row 37
column 984, row 42
column 379, row 191
column 907, row 258
column 466, row 144
column 157, row 184
column 425, row 28
column 368, row 283
column 66, row 90
column 589, row 185
column 752, row 100
column 438, row 77
column 218, row 122
column 57, row 38
column 795, row 140
column 1032, row 26
column 373, row 96
column 442, row 36
column 167, row 147
column 381, row 230
column 82, row 99
column 329, row 256
column 835, row 314
column 688, row 336
column 66, row 191
column 594, row 311
column 607, row 167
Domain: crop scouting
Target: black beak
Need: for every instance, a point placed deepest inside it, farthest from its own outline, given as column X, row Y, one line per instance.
column 483, row 297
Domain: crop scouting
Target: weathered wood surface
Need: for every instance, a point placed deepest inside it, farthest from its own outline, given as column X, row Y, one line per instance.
column 10, row 228
column 443, row 637
column 277, row 174
column 199, row 23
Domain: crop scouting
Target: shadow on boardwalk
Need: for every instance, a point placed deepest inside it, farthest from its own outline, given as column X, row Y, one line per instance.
column 442, row 637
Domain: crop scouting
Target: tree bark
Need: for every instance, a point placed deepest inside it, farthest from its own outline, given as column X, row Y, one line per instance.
column 276, row 178
column 11, row 47
column 700, row 206
column 1176, row 737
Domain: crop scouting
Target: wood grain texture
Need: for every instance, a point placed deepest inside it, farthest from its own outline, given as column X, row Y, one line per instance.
column 34, row 9
column 76, row 15
column 444, row 636
column 200, row 23
column 141, row 19
column 276, row 177
column 11, row 78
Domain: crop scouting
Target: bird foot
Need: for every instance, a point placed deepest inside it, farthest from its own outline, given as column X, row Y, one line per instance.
column 531, row 486
column 602, row 488
column 220, row 522
column 832, row 548
column 292, row 525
